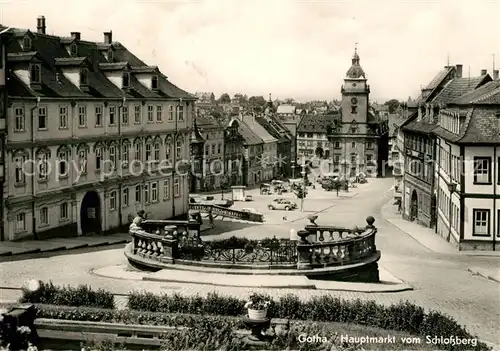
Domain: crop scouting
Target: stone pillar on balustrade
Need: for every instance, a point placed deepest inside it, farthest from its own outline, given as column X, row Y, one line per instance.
column 303, row 250
column 170, row 244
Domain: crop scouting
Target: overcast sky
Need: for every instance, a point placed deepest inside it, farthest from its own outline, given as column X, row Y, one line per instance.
column 297, row 49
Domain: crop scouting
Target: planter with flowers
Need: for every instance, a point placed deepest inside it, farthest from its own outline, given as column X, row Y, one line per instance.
column 257, row 306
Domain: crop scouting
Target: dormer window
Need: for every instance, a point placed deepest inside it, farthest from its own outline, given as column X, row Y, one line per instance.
column 154, row 82
column 73, row 49
column 126, row 80
column 84, row 76
column 110, row 55
column 27, row 43
column 35, row 74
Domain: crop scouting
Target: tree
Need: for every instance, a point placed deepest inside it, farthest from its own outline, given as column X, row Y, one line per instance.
column 393, row 105
column 224, row 99
column 257, row 100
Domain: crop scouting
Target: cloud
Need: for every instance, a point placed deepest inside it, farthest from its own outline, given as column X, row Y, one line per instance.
column 288, row 48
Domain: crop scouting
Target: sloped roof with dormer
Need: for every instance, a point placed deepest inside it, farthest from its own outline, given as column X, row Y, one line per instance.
column 52, row 53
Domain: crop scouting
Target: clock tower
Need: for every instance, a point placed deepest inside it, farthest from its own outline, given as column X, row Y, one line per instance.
column 354, row 144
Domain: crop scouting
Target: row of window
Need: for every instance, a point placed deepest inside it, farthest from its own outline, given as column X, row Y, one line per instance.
column 154, row 114
column 444, row 206
column 149, row 193
column 152, row 154
column 450, row 164
column 207, row 149
column 419, row 144
column 338, row 145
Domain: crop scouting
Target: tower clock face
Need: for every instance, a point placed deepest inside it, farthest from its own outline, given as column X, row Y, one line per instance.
column 354, row 101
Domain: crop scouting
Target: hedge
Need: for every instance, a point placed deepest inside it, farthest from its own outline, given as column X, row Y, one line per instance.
column 83, row 295
column 214, row 332
column 404, row 316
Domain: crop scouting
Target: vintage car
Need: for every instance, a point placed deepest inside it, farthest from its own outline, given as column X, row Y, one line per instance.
column 282, row 204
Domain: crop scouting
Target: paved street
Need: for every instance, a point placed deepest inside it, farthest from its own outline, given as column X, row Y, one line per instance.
column 441, row 281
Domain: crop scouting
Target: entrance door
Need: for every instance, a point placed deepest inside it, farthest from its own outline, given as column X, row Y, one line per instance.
column 433, row 211
column 90, row 213
column 414, row 206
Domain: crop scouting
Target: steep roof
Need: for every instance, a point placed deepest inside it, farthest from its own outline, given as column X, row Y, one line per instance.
column 314, row 123
column 458, row 87
column 248, row 135
column 52, row 53
column 489, row 93
column 286, row 109
column 258, row 129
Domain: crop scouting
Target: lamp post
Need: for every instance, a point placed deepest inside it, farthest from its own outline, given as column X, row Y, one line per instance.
column 452, row 187
column 304, row 177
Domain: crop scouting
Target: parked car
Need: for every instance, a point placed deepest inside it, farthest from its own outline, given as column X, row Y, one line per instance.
column 282, row 204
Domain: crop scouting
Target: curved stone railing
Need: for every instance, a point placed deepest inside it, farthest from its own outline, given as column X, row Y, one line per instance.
column 228, row 212
column 341, row 249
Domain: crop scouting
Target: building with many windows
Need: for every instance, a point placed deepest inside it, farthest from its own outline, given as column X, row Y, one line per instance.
column 4, row 36
column 468, row 169
column 419, row 197
column 93, row 137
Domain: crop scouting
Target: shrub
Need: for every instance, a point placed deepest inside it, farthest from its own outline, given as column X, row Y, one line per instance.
column 83, row 295
column 404, row 316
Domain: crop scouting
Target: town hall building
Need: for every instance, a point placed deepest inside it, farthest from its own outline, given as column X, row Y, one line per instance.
column 358, row 139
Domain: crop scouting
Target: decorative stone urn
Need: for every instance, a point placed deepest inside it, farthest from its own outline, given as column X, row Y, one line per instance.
column 257, row 314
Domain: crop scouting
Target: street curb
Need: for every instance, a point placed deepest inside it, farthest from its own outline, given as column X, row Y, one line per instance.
column 64, row 248
column 489, row 277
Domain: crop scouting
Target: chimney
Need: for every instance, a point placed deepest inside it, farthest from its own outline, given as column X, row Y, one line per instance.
column 40, row 24
column 75, row 35
column 459, row 71
column 108, row 37
column 484, row 72
column 495, row 74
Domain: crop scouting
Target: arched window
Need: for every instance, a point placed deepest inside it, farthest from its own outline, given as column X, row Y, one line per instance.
column 43, row 156
column 63, row 155
column 178, row 147
column 82, row 152
column 168, row 148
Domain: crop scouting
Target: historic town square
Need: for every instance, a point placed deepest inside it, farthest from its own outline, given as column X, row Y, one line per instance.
column 193, row 176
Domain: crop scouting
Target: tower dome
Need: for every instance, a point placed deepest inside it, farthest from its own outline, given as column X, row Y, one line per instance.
column 355, row 71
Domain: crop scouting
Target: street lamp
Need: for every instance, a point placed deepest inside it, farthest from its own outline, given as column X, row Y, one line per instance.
column 452, row 187
column 304, row 178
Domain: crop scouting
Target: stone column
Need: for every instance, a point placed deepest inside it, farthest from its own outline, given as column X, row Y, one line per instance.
column 170, row 245
column 303, row 251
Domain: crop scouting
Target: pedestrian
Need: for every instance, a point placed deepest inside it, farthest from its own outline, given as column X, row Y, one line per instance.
column 211, row 218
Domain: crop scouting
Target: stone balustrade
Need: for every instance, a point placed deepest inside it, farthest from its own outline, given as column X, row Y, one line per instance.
column 227, row 212
column 341, row 246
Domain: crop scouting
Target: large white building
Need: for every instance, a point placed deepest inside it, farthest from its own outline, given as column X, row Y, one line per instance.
column 468, row 169
column 90, row 130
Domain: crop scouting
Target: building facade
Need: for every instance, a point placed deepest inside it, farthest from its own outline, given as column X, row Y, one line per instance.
column 468, row 169
column 94, row 135
column 313, row 145
column 419, row 196
column 359, row 139
column 4, row 37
